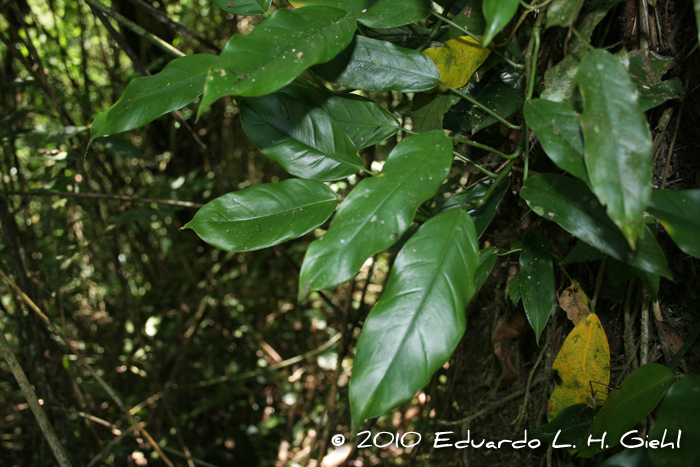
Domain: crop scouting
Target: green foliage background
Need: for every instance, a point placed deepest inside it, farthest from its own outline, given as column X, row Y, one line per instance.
column 235, row 357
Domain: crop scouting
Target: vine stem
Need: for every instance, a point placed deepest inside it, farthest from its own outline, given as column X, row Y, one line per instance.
column 30, row 396
column 480, row 168
column 501, row 176
column 482, row 106
column 515, row 155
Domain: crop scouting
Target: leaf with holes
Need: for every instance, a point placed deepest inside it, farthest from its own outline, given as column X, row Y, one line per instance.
column 416, row 325
column 377, row 211
column 264, row 215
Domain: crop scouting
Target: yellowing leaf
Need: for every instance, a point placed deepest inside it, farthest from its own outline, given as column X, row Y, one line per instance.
column 457, row 60
column 584, row 358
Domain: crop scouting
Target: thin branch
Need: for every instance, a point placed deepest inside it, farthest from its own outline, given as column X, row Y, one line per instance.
column 136, row 29
column 76, row 350
column 33, row 402
column 65, row 194
column 163, row 18
column 262, row 371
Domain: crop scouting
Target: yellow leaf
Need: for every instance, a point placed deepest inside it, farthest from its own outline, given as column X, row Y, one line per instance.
column 584, row 358
column 457, row 60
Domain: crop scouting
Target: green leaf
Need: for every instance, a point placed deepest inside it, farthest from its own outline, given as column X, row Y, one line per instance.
column 378, row 13
column 680, row 410
column 302, row 138
column 582, row 252
column 514, row 290
column 264, row 215
column 482, row 215
column 416, row 325
column 563, row 12
column 629, row 458
column 569, row 202
column 560, row 83
column 244, row 7
column 639, row 393
column 471, row 18
column 373, row 65
column 678, row 212
column 536, row 281
column 696, row 7
column 646, row 69
column 559, row 132
column 498, row 14
column 147, row 98
column 617, row 141
column 568, row 427
column 429, row 109
column 277, row 51
column 504, row 98
column 377, row 211
column 487, row 259
column 366, row 122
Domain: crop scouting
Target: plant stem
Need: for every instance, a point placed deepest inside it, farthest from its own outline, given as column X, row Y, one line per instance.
column 501, row 176
column 483, row 107
column 480, row 168
column 33, row 402
column 515, row 154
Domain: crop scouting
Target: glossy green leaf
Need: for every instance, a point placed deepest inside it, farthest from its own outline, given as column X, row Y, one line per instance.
column 373, row 65
column 264, row 215
column 617, row 141
column 471, row 18
column 482, row 215
column 504, row 97
column 559, row 132
column 514, row 290
column 487, row 259
column 378, row 13
column 419, row 320
column 498, row 14
column 244, row 7
column 366, row 122
column 302, row 138
column 636, row 397
column 536, row 281
column 679, row 213
column 429, row 109
column 147, row 98
column 377, row 211
column 679, row 410
column 581, row 252
column 563, row 12
column 570, row 203
column 629, row 458
column 568, row 427
column 646, row 69
column 277, row 51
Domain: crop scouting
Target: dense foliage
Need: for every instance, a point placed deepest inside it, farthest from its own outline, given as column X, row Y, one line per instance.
column 365, row 176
